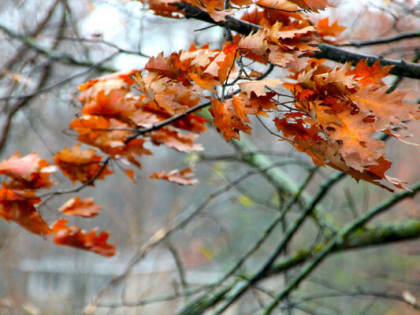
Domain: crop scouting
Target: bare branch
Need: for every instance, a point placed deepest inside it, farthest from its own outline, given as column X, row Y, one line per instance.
column 52, row 54
column 339, row 239
column 381, row 41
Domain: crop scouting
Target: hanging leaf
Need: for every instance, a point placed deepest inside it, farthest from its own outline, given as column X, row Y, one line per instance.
column 28, row 171
column 82, row 208
column 81, row 165
column 182, row 177
column 75, row 237
column 19, row 206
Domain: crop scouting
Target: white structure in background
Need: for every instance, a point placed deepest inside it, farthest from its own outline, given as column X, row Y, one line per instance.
column 56, row 280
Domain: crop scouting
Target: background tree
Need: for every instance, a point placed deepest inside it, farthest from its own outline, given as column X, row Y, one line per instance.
column 263, row 218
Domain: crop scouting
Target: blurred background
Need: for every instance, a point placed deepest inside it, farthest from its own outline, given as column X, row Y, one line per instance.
column 48, row 48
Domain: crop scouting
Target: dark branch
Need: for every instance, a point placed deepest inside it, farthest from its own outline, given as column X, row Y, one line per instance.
column 52, row 54
column 400, row 68
column 357, row 238
column 385, row 40
column 233, row 24
column 338, row 240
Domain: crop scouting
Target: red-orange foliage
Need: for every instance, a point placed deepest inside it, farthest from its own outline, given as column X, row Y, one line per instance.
column 75, row 237
column 80, row 165
column 182, row 177
column 333, row 114
column 83, row 208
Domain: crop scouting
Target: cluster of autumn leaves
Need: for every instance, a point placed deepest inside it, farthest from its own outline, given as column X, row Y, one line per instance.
column 29, row 174
column 339, row 113
column 331, row 113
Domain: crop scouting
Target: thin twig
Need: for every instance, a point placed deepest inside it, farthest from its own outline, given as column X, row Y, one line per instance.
column 380, row 41
column 59, row 83
column 162, row 235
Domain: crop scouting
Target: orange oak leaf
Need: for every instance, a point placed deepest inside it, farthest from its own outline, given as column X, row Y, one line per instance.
column 227, row 65
column 73, row 236
column 339, row 77
column 165, row 66
column 206, row 82
column 117, row 103
column 279, row 57
column 110, row 136
column 280, row 32
column 163, row 7
column 367, row 75
column 183, row 142
column 254, row 43
column 182, row 177
column 84, row 208
column 388, row 110
column 283, row 5
column 168, row 95
column 199, row 57
column 126, row 77
column 305, row 137
column 224, row 64
column 228, row 119
column 358, row 147
column 81, row 165
column 130, row 173
column 109, row 96
column 314, row 5
column 28, row 171
column 192, row 122
column 19, row 206
column 347, row 109
column 259, row 87
column 325, row 29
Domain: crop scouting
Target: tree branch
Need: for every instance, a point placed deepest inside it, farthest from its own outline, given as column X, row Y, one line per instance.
column 52, row 54
column 338, row 240
column 279, row 179
column 400, row 68
column 197, row 307
column 327, row 51
column 384, row 234
column 385, row 40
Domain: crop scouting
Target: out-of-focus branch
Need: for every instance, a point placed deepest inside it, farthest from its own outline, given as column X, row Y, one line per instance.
column 45, row 74
column 163, row 234
column 385, row 234
column 38, row 29
column 360, row 239
column 357, row 294
column 339, row 240
column 179, row 265
column 267, row 232
column 106, row 43
column 279, row 179
column 366, row 237
column 198, row 307
column 52, row 54
column 290, row 232
column 59, row 83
